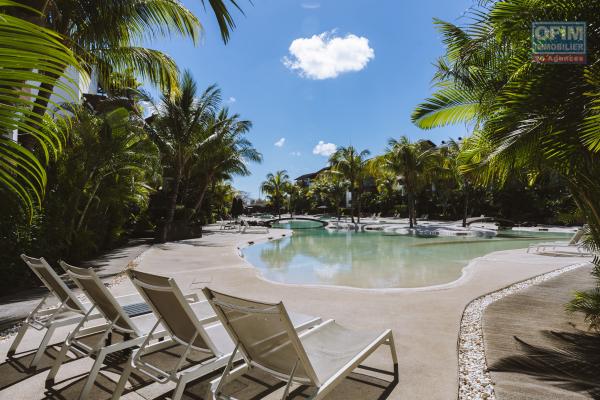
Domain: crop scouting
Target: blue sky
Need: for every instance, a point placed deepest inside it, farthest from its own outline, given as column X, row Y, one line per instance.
column 339, row 72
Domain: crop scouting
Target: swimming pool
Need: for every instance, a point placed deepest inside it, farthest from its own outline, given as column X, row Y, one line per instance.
column 376, row 260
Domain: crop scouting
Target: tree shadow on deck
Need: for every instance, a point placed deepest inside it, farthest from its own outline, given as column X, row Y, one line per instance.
column 257, row 384
column 253, row 386
column 572, row 363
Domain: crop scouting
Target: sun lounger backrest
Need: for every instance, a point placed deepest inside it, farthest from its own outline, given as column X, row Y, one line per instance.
column 265, row 335
column 576, row 238
column 52, row 281
column 87, row 280
column 168, row 302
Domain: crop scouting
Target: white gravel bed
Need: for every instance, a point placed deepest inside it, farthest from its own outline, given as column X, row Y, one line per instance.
column 475, row 381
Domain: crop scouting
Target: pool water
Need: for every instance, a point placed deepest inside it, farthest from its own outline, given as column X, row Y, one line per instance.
column 375, row 260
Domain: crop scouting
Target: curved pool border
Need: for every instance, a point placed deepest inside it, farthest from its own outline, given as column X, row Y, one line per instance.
column 466, row 272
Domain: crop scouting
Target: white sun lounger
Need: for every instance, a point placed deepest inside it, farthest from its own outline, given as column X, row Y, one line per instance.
column 135, row 329
column 227, row 224
column 245, row 227
column 574, row 243
column 69, row 311
column 320, row 357
column 184, row 327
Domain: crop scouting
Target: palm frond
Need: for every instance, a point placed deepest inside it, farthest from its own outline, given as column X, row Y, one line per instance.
column 30, row 54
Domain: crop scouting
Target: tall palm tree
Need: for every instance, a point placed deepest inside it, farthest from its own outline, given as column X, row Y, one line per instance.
column 352, row 165
column 179, row 130
column 526, row 116
column 452, row 167
column 275, row 188
column 414, row 165
column 31, row 54
column 329, row 189
column 223, row 157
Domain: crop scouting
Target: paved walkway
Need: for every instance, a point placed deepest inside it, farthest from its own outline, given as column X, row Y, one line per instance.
column 537, row 351
column 425, row 322
column 15, row 307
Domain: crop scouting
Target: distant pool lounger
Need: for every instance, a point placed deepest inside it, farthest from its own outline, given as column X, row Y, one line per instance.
column 264, row 335
column 245, row 227
column 186, row 329
column 69, row 311
column 576, row 243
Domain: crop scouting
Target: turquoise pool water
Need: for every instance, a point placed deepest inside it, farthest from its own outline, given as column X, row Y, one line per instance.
column 375, row 260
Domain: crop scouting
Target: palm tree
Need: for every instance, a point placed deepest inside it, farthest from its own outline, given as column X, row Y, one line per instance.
column 179, row 130
column 275, row 188
column 109, row 163
column 329, row 189
column 413, row 164
column 527, row 117
column 225, row 156
column 352, row 165
column 105, row 37
column 31, row 54
column 452, row 167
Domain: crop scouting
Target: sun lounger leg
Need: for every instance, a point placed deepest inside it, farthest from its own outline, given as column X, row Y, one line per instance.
column 178, row 392
column 393, row 350
column 91, row 379
column 57, row 363
column 123, row 380
column 17, row 341
column 42, row 347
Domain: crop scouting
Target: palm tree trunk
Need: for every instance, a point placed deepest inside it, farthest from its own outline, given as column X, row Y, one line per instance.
column 87, row 205
column 414, row 209
column 410, row 209
column 466, row 209
column 359, row 207
column 352, row 205
column 172, row 206
column 201, row 197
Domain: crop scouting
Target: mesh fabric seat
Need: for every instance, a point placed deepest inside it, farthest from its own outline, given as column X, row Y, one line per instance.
column 185, row 328
column 134, row 330
column 320, row 357
column 68, row 311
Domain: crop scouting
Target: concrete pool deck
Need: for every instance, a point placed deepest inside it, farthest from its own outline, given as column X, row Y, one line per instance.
column 425, row 322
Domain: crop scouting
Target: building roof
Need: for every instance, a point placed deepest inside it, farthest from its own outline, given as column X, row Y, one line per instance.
column 311, row 175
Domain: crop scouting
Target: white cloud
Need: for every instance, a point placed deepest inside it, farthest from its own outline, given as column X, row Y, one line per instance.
column 324, row 149
column 327, row 56
column 310, row 6
column 280, row 142
column 231, row 99
column 295, row 154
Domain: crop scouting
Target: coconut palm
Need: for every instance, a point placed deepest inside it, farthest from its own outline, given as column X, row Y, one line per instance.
column 225, row 156
column 352, row 166
column 180, row 131
column 329, row 189
column 452, row 168
column 275, row 187
column 414, row 165
column 526, row 117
